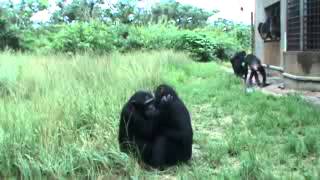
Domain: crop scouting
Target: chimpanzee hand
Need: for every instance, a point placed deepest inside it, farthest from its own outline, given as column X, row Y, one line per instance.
column 165, row 100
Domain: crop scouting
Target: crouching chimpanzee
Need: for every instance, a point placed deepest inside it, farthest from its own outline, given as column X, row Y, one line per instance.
column 240, row 63
column 159, row 131
column 255, row 67
column 240, row 67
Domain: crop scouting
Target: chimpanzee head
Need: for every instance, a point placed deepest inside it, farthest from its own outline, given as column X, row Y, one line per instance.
column 164, row 90
column 144, row 103
column 238, row 57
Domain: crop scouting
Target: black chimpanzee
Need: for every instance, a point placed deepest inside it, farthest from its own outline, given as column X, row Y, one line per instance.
column 137, row 124
column 173, row 142
column 255, row 67
column 240, row 67
column 159, row 129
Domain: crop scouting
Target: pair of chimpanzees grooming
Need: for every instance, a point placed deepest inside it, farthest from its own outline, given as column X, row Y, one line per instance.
column 156, row 128
column 240, row 62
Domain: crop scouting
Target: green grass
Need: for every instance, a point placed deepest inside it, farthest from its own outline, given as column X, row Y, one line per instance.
column 59, row 119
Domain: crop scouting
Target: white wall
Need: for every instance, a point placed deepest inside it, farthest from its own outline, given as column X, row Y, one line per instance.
column 260, row 5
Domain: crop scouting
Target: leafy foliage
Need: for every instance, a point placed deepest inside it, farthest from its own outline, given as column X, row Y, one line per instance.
column 200, row 46
column 184, row 16
column 203, row 44
column 82, row 36
column 94, row 26
column 8, row 32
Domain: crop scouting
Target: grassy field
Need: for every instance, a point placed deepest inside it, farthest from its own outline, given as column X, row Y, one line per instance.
column 59, row 119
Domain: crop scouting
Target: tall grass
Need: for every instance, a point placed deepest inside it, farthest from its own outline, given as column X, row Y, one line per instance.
column 59, row 118
column 59, row 114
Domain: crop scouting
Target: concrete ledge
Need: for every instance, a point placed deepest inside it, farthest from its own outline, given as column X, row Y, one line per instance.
column 301, row 78
column 276, row 68
column 301, row 83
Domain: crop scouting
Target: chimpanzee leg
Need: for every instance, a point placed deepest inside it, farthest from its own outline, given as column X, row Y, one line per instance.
column 256, row 77
column 143, row 149
column 264, row 75
column 245, row 77
column 250, row 77
column 158, row 158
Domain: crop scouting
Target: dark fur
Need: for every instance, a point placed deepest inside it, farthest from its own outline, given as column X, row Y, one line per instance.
column 173, row 141
column 137, row 124
column 255, row 67
column 162, row 136
column 240, row 67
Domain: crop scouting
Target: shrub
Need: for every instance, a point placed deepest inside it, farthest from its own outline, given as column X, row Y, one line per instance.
column 204, row 44
column 199, row 45
column 9, row 35
column 84, row 36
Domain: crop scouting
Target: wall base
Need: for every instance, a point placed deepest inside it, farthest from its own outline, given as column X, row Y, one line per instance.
column 300, row 83
column 302, row 70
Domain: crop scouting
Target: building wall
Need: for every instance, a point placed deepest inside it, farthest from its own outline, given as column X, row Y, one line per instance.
column 301, row 69
column 270, row 53
column 301, row 63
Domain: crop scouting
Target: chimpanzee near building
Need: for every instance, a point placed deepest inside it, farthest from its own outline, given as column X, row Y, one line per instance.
column 287, row 39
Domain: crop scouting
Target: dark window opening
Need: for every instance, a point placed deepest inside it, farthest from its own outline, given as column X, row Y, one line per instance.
column 293, row 25
column 270, row 29
column 303, row 25
column 311, row 31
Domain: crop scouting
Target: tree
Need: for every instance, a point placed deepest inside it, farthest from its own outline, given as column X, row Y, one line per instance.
column 184, row 16
column 77, row 10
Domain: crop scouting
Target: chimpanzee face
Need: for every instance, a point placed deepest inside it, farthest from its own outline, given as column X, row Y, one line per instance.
column 149, row 108
column 144, row 103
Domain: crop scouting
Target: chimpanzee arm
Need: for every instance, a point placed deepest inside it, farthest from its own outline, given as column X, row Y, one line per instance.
column 142, row 127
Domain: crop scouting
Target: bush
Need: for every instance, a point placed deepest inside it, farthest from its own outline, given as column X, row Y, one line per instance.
column 9, row 35
column 159, row 36
column 128, row 38
column 151, row 37
column 203, row 44
column 199, row 45
column 84, row 36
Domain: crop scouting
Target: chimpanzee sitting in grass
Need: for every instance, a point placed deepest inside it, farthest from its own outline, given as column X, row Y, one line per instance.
column 156, row 128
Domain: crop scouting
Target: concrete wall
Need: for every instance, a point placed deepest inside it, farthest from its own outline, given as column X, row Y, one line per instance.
column 301, row 63
column 268, row 50
column 272, row 53
column 301, row 69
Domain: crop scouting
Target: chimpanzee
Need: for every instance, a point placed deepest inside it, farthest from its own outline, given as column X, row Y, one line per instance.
column 137, row 124
column 255, row 67
column 173, row 142
column 159, row 129
column 240, row 67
